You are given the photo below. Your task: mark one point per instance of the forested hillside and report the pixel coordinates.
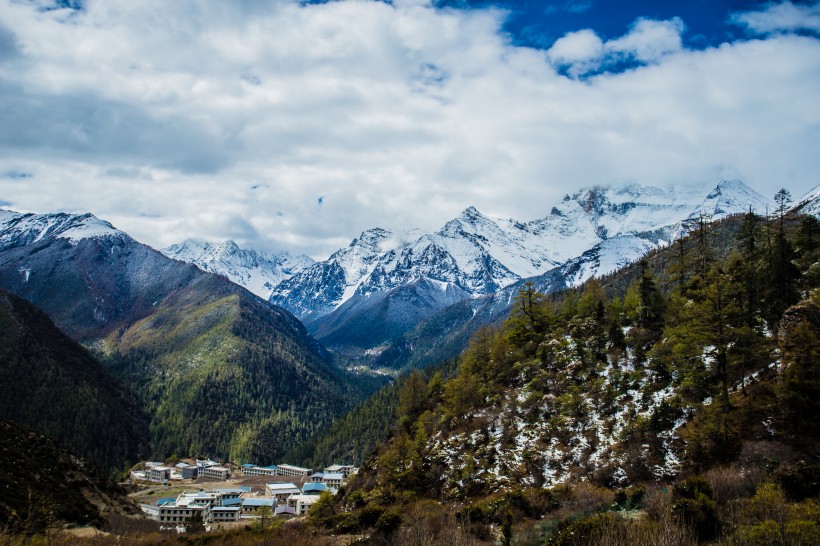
(677, 397)
(53, 385)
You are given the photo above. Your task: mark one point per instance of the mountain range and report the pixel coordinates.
(372, 298)
(371, 301)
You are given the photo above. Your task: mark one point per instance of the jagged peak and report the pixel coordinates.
(74, 227)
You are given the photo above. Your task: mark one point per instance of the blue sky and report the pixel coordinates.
(540, 24)
(285, 124)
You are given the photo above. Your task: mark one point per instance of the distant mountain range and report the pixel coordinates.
(375, 295)
(364, 299)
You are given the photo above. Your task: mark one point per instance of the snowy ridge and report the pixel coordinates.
(810, 203)
(592, 232)
(257, 271)
(18, 229)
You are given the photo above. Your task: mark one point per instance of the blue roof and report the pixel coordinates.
(272, 467)
(310, 487)
(248, 465)
(166, 500)
(231, 502)
(257, 502)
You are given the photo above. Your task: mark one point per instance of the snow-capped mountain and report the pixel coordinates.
(810, 203)
(479, 254)
(257, 271)
(18, 229)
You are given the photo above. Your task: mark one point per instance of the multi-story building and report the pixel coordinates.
(295, 471)
(260, 470)
(344, 469)
(215, 472)
(281, 491)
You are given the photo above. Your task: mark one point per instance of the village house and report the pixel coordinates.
(187, 471)
(314, 488)
(281, 491)
(331, 479)
(252, 505)
(260, 470)
(215, 472)
(294, 471)
(344, 469)
(302, 503)
(223, 514)
(159, 474)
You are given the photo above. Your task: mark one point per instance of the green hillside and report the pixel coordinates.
(675, 397)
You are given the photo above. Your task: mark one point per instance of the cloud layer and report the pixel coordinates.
(284, 125)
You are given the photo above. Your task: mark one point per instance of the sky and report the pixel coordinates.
(294, 125)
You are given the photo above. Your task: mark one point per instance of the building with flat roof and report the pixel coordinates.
(221, 514)
(290, 470)
(344, 469)
(302, 503)
(159, 473)
(215, 472)
(330, 478)
(260, 470)
(281, 490)
(254, 504)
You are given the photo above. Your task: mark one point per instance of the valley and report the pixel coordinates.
(574, 397)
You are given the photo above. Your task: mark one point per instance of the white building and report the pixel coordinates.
(176, 513)
(331, 479)
(344, 469)
(159, 474)
(215, 472)
(290, 470)
(221, 514)
(260, 470)
(281, 491)
(302, 503)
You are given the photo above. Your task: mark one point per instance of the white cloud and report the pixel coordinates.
(583, 49)
(785, 17)
(648, 41)
(230, 119)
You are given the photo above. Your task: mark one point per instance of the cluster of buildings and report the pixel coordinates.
(234, 504)
(159, 472)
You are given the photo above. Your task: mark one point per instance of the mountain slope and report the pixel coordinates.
(53, 385)
(44, 484)
(618, 397)
(259, 272)
(217, 369)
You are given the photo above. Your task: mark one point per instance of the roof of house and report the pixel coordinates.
(225, 509)
(166, 500)
(333, 476)
(231, 502)
(282, 486)
(248, 465)
(293, 467)
(311, 487)
(284, 509)
(257, 502)
(239, 489)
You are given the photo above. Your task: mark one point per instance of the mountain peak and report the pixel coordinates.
(25, 228)
(259, 272)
